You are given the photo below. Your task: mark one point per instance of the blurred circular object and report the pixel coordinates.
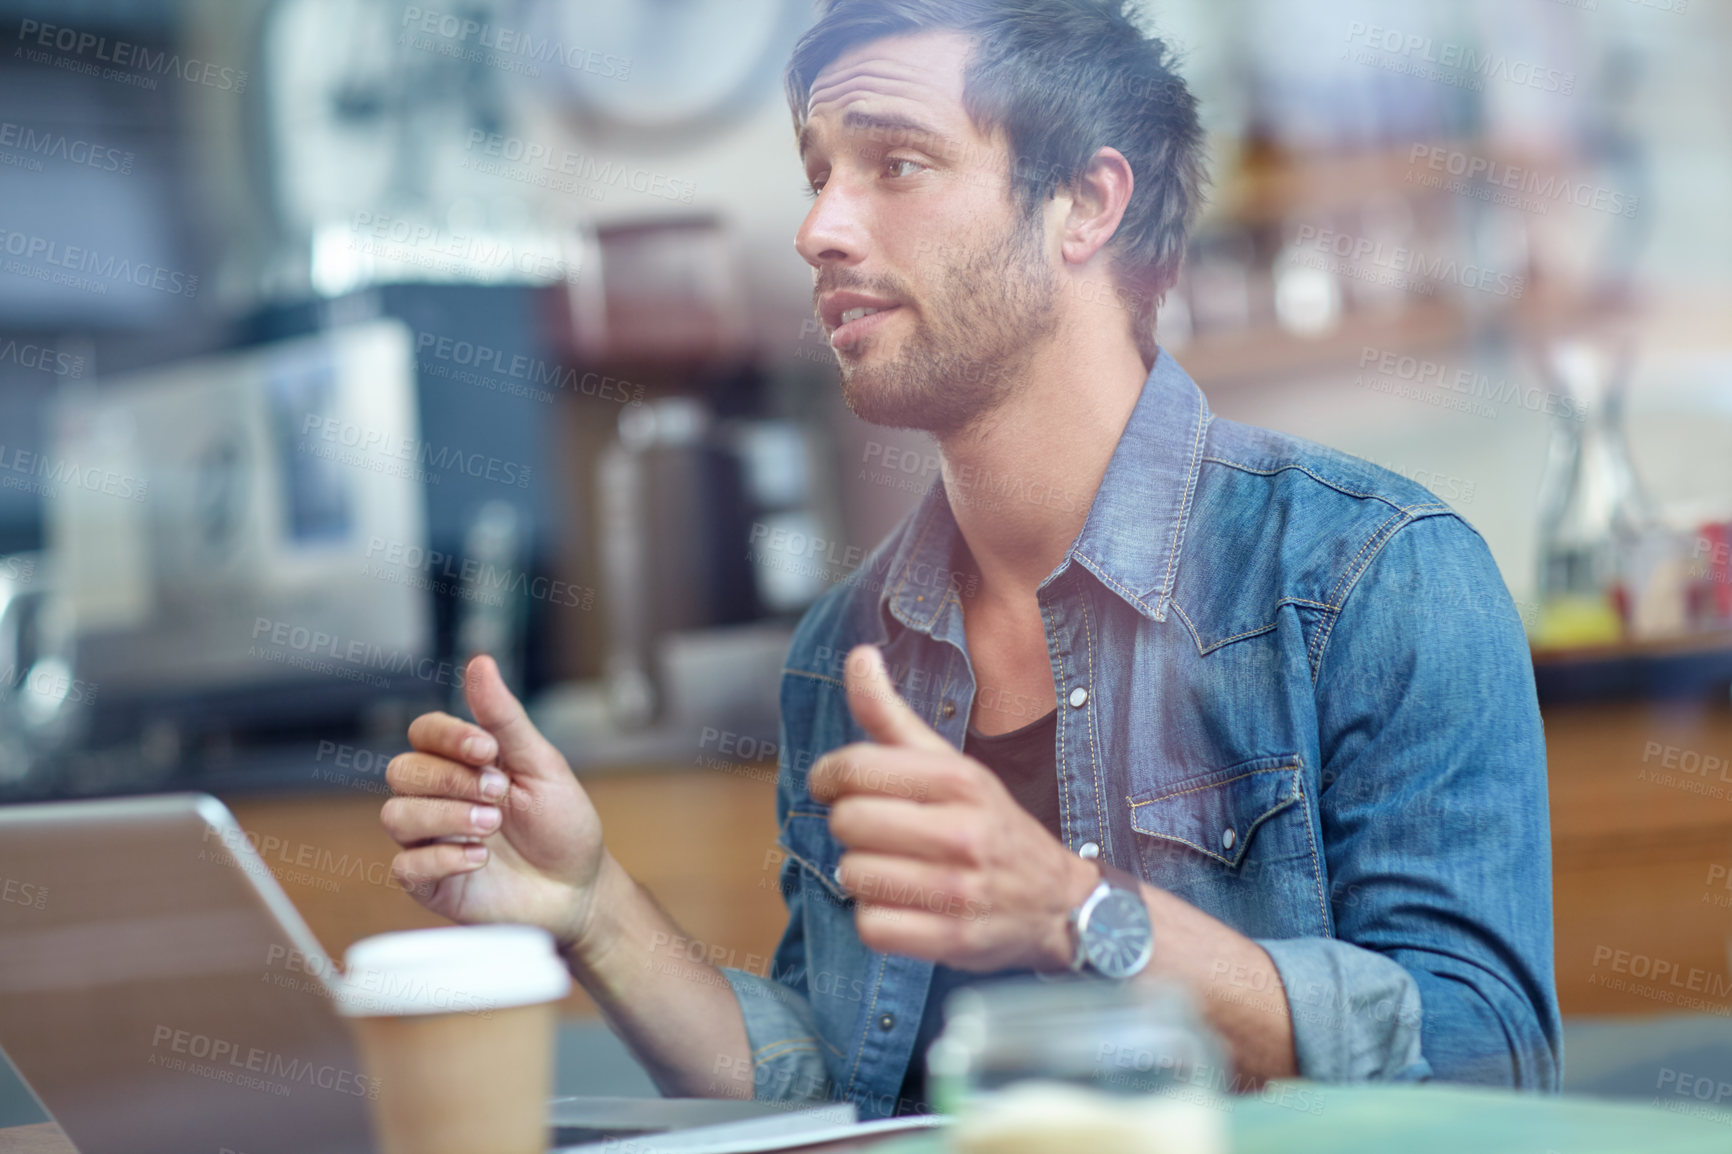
(661, 72)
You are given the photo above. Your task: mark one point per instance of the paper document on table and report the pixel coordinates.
(793, 1130)
(636, 1115)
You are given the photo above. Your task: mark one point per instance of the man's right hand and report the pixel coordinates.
(493, 824)
(533, 855)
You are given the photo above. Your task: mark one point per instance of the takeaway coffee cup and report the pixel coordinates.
(456, 1029)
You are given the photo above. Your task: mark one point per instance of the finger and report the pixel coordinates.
(918, 934)
(888, 880)
(422, 775)
(866, 768)
(936, 833)
(420, 870)
(523, 752)
(893, 771)
(879, 709)
(453, 737)
(412, 821)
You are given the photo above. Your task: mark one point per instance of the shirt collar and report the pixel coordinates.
(1135, 530)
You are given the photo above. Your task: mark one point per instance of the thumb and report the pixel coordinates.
(523, 752)
(879, 709)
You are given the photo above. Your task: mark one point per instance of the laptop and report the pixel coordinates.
(160, 994)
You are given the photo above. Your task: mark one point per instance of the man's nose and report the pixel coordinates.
(833, 232)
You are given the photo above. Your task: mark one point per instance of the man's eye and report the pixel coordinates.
(812, 188)
(901, 166)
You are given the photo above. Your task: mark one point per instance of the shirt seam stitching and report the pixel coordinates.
(1352, 566)
(1244, 844)
(946, 694)
(1428, 506)
(908, 564)
(1349, 577)
(1089, 728)
(1204, 650)
(1316, 869)
(1184, 505)
(1196, 638)
(866, 1027)
(835, 890)
(1295, 764)
(1093, 566)
(1063, 761)
(1328, 628)
(789, 1051)
(949, 592)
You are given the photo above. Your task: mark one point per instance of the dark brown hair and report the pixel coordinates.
(1063, 79)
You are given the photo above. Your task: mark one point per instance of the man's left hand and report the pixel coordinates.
(942, 862)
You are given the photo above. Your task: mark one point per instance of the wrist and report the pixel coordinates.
(594, 924)
(1112, 927)
(1078, 880)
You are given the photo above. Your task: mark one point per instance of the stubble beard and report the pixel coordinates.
(970, 349)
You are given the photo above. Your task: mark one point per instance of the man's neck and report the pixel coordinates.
(1020, 481)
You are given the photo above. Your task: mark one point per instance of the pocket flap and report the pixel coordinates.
(1216, 813)
(806, 838)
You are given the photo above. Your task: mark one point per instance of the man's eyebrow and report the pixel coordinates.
(855, 120)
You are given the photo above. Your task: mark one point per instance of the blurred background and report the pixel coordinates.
(343, 339)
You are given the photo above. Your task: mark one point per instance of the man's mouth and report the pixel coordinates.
(856, 323)
(848, 315)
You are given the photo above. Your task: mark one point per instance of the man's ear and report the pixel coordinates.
(1097, 203)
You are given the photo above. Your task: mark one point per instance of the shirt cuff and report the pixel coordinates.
(787, 1060)
(1356, 1014)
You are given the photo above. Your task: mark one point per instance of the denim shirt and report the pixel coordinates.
(1292, 690)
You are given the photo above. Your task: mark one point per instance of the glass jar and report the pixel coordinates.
(1024, 1059)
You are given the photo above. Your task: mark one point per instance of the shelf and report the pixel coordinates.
(1260, 353)
(1699, 666)
(1321, 184)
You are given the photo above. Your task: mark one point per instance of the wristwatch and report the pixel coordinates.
(1110, 930)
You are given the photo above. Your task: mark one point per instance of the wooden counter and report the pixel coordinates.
(1641, 836)
(700, 840)
(1642, 853)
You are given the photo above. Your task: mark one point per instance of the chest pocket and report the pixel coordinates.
(805, 837)
(1226, 814)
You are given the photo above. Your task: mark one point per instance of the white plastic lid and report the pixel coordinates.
(454, 970)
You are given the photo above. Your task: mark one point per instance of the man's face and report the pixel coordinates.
(914, 219)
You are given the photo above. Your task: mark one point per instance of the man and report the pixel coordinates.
(1130, 672)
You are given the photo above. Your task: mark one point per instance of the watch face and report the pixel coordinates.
(1117, 938)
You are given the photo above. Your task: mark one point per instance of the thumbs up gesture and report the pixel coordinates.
(493, 824)
(942, 862)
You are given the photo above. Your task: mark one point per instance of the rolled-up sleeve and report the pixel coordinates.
(1436, 837)
(787, 1057)
(787, 1062)
(1356, 1014)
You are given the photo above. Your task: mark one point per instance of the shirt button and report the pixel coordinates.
(950, 709)
(1089, 850)
(1228, 838)
(1079, 697)
(887, 1021)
